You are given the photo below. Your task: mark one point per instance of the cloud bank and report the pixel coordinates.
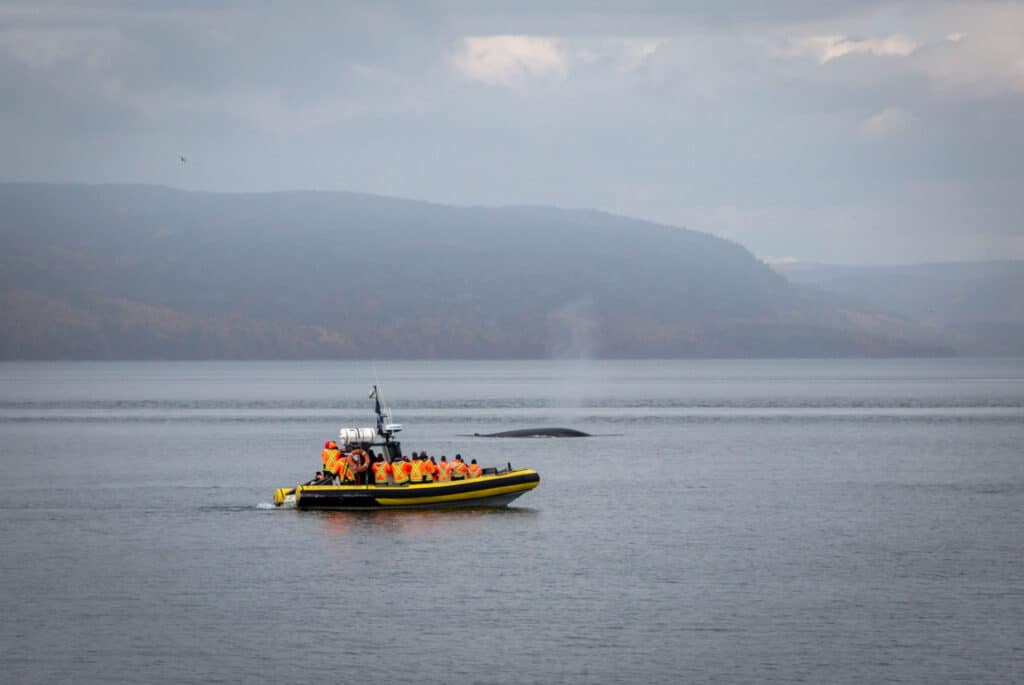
(825, 130)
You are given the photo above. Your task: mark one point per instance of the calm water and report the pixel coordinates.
(819, 521)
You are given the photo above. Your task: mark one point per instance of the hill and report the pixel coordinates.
(130, 272)
(978, 307)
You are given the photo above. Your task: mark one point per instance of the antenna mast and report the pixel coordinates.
(386, 427)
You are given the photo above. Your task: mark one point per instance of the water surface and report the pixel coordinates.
(771, 521)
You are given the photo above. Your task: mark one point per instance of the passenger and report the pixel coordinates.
(329, 454)
(332, 461)
(347, 469)
(381, 470)
(416, 474)
(458, 468)
(361, 464)
(444, 470)
(474, 469)
(400, 472)
(429, 468)
(356, 464)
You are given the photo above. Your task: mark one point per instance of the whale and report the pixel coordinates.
(536, 433)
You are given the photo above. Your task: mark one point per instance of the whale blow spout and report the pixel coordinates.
(536, 433)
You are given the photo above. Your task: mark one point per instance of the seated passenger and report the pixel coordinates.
(400, 472)
(458, 468)
(343, 471)
(474, 469)
(444, 470)
(429, 468)
(381, 471)
(416, 469)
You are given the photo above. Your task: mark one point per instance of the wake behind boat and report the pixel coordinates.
(359, 477)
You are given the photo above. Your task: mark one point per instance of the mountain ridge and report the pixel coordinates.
(133, 271)
(978, 305)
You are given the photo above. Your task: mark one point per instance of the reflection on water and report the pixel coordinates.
(412, 522)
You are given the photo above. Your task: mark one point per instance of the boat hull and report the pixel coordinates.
(487, 491)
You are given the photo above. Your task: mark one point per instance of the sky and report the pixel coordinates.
(806, 130)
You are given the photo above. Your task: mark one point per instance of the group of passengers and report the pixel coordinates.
(363, 467)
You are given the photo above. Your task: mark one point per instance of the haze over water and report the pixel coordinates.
(730, 521)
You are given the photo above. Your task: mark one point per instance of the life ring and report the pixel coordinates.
(364, 459)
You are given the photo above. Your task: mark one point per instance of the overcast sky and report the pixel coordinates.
(815, 130)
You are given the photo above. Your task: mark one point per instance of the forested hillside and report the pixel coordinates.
(977, 306)
(132, 272)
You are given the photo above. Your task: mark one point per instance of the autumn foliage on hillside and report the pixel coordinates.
(136, 272)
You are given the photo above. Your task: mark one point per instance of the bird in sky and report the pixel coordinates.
(182, 158)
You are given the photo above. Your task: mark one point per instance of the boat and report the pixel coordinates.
(495, 487)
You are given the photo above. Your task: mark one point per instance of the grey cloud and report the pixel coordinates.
(581, 17)
(717, 126)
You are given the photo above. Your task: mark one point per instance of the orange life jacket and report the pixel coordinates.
(444, 471)
(399, 473)
(428, 471)
(328, 456)
(380, 472)
(347, 469)
(416, 471)
(475, 471)
(458, 470)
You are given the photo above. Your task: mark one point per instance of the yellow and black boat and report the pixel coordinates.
(496, 489)
(493, 488)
